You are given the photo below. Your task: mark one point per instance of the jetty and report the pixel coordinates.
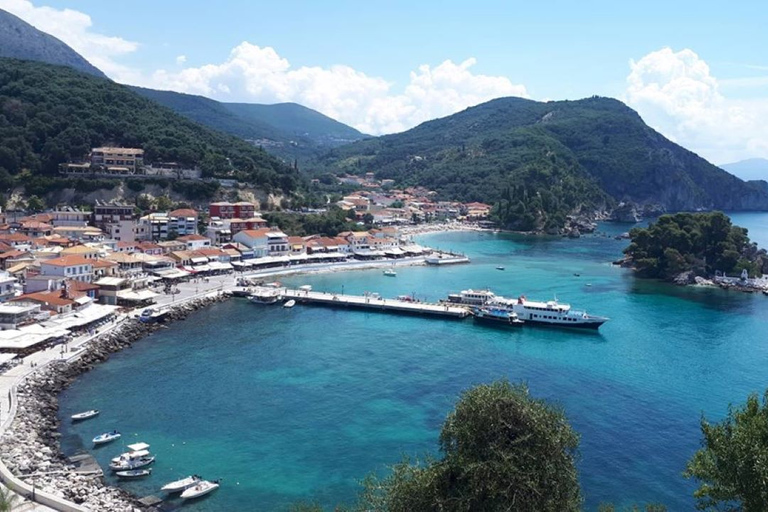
(375, 302)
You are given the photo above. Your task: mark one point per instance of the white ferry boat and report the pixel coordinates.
(552, 313)
(531, 312)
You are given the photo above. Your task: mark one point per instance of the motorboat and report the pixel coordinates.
(106, 437)
(134, 473)
(132, 463)
(289, 304)
(499, 268)
(200, 489)
(181, 485)
(137, 457)
(390, 272)
(85, 415)
(499, 316)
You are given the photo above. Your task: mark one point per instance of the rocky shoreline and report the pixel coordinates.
(30, 446)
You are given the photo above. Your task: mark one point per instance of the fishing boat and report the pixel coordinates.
(106, 437)
(181, 485)
(289, 304)
(390, 272)
(85, 415)
(200, 489)
(134, 473)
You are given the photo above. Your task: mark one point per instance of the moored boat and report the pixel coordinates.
(134, 473)
(553, 313)
(181, 485)
(265, 295)
(200, 489)
(85, 415)
(137, 457)
(498, 316)
(390, 272)
(289, 304)
(106, 437)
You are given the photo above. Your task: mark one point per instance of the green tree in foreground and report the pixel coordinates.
(8, 499)
(732, 465)
(502, 451)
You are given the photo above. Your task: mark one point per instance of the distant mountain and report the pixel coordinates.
(20, 40)
(53, 114)
(540, 161)
(299, 121)
(751, 169)
(285, 129)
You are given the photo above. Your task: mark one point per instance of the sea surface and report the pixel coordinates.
(289, 405)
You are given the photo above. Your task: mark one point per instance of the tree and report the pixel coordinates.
(8, 499)
(163, 203)
(502, 450)
(35, 204)
(732, 464)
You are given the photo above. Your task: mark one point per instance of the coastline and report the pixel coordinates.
(30, 444)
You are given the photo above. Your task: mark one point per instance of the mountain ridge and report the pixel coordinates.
(748, 170)
(20, 40)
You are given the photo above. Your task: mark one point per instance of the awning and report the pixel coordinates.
(171, 273)
(4, 358)
(218, 265)
(136, 295)
(199, 259)
(189, 269)
(83, 300)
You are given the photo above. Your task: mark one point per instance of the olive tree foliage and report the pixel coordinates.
(502, 451)
(732, 465)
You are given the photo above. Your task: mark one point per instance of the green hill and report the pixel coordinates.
(298, 121)
(287, 130)
(52, 114)
(540, 161)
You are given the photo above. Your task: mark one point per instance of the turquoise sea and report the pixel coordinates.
(300, 404)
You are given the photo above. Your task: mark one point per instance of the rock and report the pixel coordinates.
(685, 278)
(625, 212)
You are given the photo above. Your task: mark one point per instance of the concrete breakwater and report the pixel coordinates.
(30, 446)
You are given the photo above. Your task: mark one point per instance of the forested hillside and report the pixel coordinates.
(52, 114)
(540, 160)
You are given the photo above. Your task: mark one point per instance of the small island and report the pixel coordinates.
(697, 248)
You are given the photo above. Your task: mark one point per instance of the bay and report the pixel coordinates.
(300, 404)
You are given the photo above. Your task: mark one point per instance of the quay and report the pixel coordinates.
(374, 302)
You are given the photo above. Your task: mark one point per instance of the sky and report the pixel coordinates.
(695, 71)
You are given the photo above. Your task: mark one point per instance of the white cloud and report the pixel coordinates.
(181, 60)
(676, 93)
(370, 104)
(75, 29)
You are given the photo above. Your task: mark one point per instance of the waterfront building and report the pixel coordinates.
(72, 267)
(16, 314)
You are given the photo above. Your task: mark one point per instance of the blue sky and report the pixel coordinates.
(697, 71)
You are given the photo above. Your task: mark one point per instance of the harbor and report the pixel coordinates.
(375, 302)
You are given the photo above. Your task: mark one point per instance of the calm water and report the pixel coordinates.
(290, 405)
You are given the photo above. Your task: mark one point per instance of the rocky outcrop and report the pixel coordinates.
(31, 445)
(625, 212)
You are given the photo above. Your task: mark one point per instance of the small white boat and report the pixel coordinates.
(200, 489)
(138, 457)
(499, 268)
(289, 304)
(390, 273)
(85, 415)
(181, 485)
(134, 473)
(106, 437)
(306, 288)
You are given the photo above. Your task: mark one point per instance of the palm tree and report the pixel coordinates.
(7, 499)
